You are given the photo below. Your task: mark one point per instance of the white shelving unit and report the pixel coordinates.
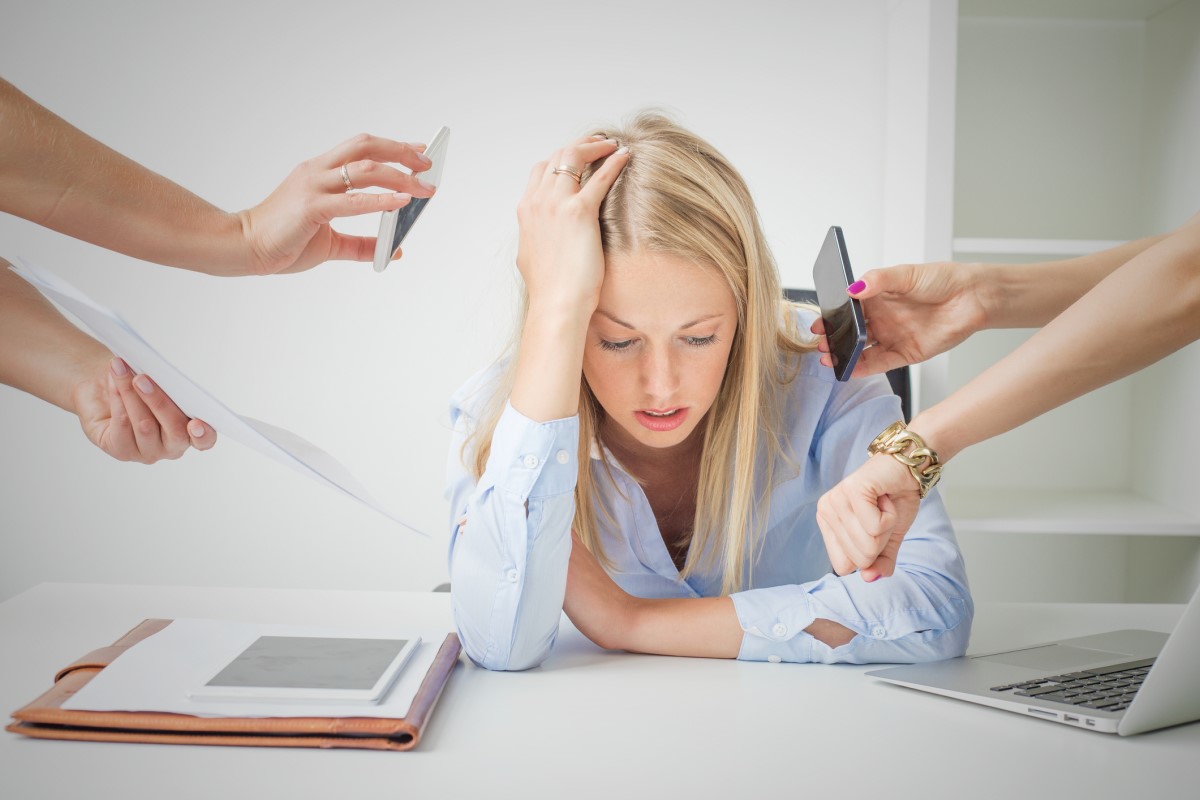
(1051, 511)
(1067, 114)
(1058, 248)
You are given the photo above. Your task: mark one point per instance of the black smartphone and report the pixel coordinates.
(845, 326)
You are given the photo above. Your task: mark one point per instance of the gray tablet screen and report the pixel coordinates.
(303, 662)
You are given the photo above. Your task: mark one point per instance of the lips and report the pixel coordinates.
(661, 419)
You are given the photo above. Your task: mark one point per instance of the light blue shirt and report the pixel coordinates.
(508, 562)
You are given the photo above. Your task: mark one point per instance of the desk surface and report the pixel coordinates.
(595, 724)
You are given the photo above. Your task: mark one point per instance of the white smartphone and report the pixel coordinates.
(395, 225)
(304, 669)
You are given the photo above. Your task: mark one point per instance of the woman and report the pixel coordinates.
(662, 406)
(1089, 337)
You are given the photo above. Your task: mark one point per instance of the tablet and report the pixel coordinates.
(310, 669)
(394, 225)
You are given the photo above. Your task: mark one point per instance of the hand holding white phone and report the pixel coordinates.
(394, 225)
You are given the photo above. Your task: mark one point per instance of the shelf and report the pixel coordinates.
(1035, 247)
(1055, 511)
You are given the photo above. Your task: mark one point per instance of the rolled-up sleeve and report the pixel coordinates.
(922, 613)
(510, 537)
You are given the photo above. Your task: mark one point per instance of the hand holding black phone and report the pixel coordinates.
(845, 326)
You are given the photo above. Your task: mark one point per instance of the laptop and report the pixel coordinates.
(1123, 682)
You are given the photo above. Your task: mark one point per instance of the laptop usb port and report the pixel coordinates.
(1069, 718)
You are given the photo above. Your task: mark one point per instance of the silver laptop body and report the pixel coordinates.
(1102, 683)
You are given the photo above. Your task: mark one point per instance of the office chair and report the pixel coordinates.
(898, 377)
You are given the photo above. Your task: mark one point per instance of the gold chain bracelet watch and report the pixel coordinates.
(909, 449)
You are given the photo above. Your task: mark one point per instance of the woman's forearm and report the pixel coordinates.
(1141, 312)
(1030, 295)
(40, 351)
(55, 175)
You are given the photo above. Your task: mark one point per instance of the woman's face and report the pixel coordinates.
(657, 346)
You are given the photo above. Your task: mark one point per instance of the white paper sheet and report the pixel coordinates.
(120, 337)
(156, 673)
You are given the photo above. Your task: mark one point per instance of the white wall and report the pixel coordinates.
(225, 97)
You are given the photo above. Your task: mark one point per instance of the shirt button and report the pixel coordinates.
(530, 461)
(513, 575)
(780, 629)
(562, 456)
(878, 632)
(774, 659)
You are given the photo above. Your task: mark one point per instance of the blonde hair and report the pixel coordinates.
(679, 196)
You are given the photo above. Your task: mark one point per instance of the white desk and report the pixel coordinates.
(594, 724)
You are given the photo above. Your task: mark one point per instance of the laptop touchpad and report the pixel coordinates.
(1055, 657)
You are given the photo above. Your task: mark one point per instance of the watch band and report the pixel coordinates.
(910, 450)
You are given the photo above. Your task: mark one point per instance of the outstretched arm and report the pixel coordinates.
(126, 415)
(55, 175)
(1141, 312)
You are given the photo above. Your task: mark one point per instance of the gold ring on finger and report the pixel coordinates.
(567, 169)
(345, 173)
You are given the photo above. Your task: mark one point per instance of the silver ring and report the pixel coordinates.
(567, 169)
(345, 173)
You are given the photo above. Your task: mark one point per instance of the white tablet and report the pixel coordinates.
(395, 225)
(311, 669)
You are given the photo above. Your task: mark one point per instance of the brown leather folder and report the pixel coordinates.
(45, 718)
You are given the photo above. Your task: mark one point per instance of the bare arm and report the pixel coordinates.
(1030, 295)
(1139, 313)
(40, 351)
(124, 414)
(55, 175)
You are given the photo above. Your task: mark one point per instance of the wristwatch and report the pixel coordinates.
(909, 449)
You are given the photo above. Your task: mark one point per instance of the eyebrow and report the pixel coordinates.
(625, 324)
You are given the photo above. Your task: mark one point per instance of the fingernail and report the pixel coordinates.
(856, 287)
(423, 157)
(622, 150)
(600, 136)
(144, 384)
(119, 369)
(428, 186)
(196, 429)
(403, 197)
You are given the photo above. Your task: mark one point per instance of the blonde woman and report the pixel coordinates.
(650, 458)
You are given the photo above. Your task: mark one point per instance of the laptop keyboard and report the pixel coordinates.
(1108, 688)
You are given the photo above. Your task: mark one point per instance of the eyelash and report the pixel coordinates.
(691, 341)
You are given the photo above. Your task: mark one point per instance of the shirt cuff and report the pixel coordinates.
(533, 459)
(774, 620)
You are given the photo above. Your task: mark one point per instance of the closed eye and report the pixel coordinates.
(700, 341)
(607, 345)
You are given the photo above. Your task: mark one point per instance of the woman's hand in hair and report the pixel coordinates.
(559, 255)
(864, 518)
(915, 312)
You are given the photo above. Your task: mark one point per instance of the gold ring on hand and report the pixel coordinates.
(567, 169)
(345, 173)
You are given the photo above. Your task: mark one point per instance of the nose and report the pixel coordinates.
(660, 376)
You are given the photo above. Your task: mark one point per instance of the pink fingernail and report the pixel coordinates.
(403, 197)
(856, 287)
(119, 369)
(144, 384)
(196, 429)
